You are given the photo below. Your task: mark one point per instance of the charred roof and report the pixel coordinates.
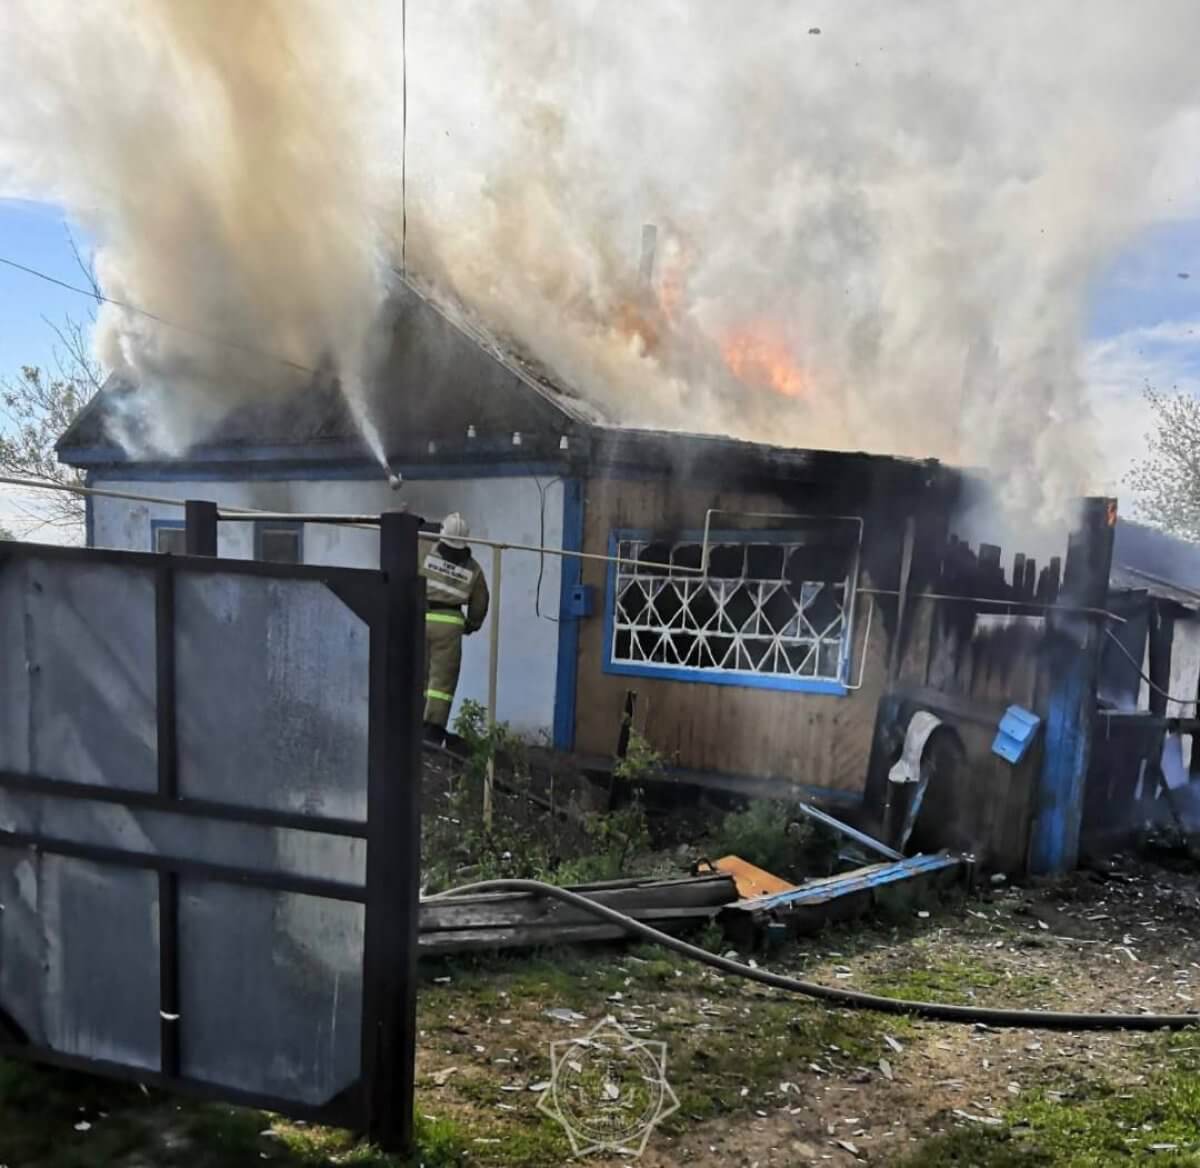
(451, 391)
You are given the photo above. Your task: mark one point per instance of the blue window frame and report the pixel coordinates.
(168, 536)
(279, 542)
(773, 610)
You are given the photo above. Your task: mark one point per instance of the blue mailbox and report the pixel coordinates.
(1016, 733)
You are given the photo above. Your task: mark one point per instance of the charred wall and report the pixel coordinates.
(818, 740)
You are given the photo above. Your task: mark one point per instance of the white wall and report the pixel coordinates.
(496, 508)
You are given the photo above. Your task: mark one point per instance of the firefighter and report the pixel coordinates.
(452, 579)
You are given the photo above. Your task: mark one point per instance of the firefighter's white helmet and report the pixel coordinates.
(455, 531)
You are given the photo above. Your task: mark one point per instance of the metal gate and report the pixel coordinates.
(209, 824)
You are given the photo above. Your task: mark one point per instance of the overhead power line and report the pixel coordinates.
(124, 305)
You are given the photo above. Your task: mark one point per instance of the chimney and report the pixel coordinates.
(649, 244)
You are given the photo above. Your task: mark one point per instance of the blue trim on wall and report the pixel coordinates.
(695, 676)
(571, 574)
(89, 515)
(484, 450)
(167, 524)
(1054, 840)
(258, 472)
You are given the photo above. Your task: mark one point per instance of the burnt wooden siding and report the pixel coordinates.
(818, 740)
(968, 661)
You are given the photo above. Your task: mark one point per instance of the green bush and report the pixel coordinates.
(774, 836)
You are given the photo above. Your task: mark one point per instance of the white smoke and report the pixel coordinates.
(879, 221)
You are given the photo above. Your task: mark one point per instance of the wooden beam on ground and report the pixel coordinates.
(502, 920)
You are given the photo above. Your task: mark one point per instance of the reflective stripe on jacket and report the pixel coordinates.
(449, 586)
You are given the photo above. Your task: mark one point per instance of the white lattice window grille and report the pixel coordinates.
(773, 609)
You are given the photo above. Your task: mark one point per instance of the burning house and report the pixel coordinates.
(773, 617)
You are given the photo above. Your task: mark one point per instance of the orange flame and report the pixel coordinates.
(638, 320)
(757, 355)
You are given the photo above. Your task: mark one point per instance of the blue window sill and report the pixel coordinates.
(741, 680)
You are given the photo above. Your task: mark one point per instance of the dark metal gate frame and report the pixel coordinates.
(391, 603)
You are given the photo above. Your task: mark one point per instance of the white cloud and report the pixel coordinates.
(24, 514)
(1117, 369)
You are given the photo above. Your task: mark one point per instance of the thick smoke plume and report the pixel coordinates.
(223, 157)
(878, 222)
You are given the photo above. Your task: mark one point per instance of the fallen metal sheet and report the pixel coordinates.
(859, 837)
(847, 884)
(920, 727)
(908, 770)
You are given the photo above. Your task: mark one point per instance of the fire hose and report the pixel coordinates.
(851, 999)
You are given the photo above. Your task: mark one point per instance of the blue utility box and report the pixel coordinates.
(1016, 733)
(581, 601)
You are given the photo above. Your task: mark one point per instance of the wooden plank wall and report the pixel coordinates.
(966, 663)
(815, 740)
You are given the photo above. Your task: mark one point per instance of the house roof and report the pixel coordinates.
(444, 372)
(1146, 559)
(447, 375)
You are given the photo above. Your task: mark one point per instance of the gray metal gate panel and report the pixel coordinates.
(195, 757)
(271, 676)
(78, 672)
(290, 1008)
(66, 996)
(256, 847)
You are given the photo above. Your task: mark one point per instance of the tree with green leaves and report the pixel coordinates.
(1166, 482)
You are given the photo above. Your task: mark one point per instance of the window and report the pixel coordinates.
(278, 543)
(772, 610)
(168, 536)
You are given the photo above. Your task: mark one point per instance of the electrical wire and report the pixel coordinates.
(851, 999)
(1137, 666)
(93, 294)
(537, 593)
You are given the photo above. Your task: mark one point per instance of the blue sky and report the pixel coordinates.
(33, 234)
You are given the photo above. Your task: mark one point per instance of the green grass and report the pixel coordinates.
(976, 1148)
(763, 1043)
(1093, 1124)
(40, 1110)
(957, 981)
(729, 1048)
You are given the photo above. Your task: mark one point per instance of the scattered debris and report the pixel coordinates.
(750, 880)
(560, 1014)
(837, 898)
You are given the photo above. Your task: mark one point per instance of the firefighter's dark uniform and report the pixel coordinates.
(452, 579)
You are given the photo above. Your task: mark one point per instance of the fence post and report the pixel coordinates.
(200, 527)
(1072, 664)
(391, 922)
(489, 781)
